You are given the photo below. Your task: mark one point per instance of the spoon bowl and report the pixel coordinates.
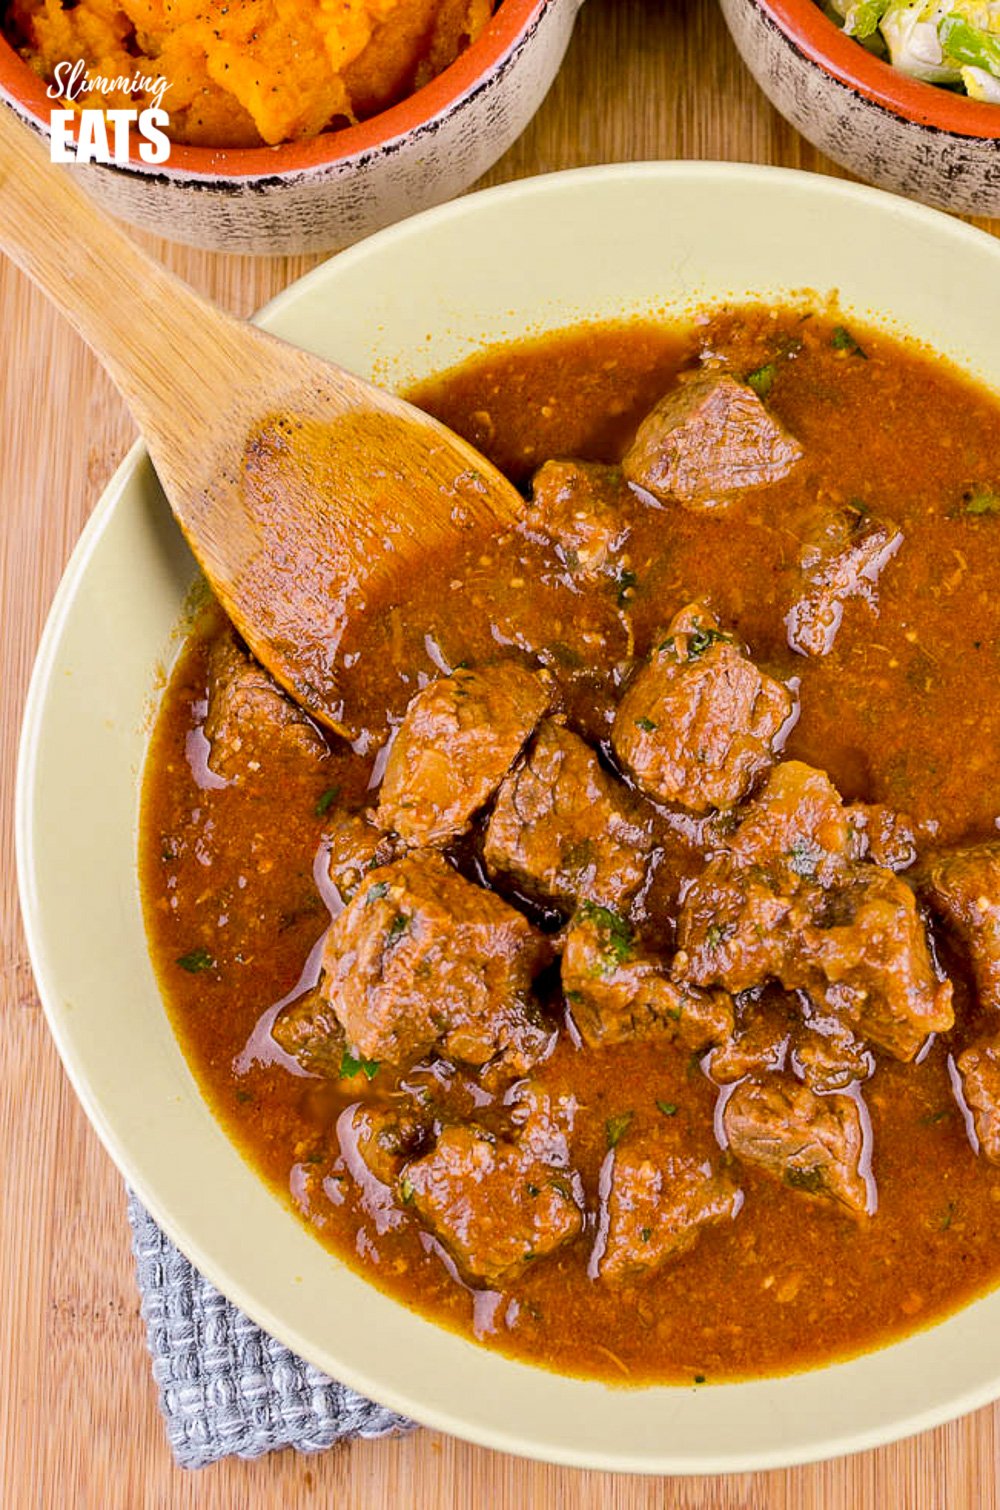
(306, 494)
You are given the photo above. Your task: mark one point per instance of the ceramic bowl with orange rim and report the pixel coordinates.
(328, 191)
(917, 139)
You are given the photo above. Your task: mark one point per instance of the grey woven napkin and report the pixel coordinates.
(227, 1388)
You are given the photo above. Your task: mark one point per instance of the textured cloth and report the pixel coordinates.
(227, 1388)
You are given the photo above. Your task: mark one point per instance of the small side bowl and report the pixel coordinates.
(329, 191)
(893, 131)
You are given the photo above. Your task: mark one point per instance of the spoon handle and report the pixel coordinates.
(135, 315)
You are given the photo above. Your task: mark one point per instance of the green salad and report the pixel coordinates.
(951, 42)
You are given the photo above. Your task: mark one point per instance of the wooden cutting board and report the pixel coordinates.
(644, 79)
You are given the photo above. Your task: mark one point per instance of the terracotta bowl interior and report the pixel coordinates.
(820, 40)
(472, 68)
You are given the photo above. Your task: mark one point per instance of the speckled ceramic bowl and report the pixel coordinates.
(330, 191)
(918, 139)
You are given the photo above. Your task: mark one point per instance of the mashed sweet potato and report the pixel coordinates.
(243, 72)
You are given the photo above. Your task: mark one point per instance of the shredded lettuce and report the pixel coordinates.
(969, 44)
(980, 85)
(862, 19)
(911, 35)
(952, 42)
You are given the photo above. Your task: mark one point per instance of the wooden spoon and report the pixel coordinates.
(307, 495)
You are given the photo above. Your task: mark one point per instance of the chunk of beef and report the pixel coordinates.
(618, 993)
(963, 887)
(737, 927)
(356, 847)
(659, 1200)
(578, 506)
(761, 1041)
(828, 1057)
(842, 558)
(387, 1136)
(796, 828)
(699, 723)
(813, 1144)
(785, 900)
(883, 835)
(423, 960)
(706, 442)
(542, 1120)
(979, 1067)
(309, 1031)
(740, 919)
(458, 740)
(562, 829)
(249, 718)
(494, 1205)
(781, 1029)
(867, 956)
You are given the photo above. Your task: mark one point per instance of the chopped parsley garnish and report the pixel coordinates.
(805, 1179)
(376, 893)
(646, 1233)
(355, 1064)
(948, 1217)
(699, 1378)
(405, 1190)
(701, 639)
(616, 933)
(616, 1127)
(324, 803)
(532, 1190)
(397, 927)
(646, 725)
(761, 379)
(982, 501)
(930, 1118)
(668, 1108)
(715, 933)
(199, 959)
(842, 340)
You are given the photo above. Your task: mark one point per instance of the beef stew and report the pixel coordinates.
(622, 993)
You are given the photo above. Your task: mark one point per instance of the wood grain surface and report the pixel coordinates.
(80, 1426)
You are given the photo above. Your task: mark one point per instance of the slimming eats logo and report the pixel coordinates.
(103, 135)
